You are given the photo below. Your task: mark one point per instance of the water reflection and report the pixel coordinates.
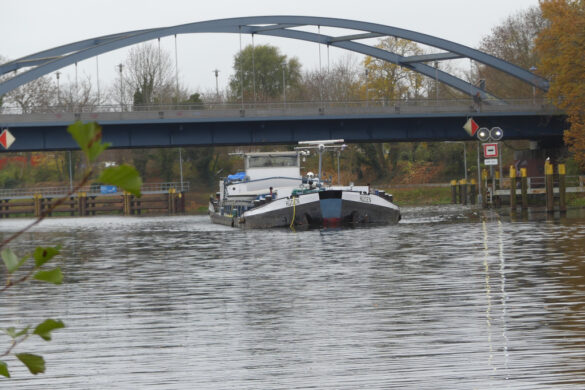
(449, 298)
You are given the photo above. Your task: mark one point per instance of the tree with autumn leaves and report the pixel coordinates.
(561, 46)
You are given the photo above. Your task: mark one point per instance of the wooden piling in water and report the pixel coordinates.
(171, 201)
(549, 183)
(524, 187)
(463, 191)
(126, 206)
(562, 188)
(82, 204)
(512, 187)
(473, 191)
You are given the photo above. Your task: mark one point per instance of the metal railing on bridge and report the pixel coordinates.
(91, 190)
(70, 113)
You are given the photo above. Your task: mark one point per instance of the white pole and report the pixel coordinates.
(465, 160)
(177, 72)
(478, 170)
(97, 71)
(283, 85)
(253, 68)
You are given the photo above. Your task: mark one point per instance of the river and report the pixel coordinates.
(450, 298)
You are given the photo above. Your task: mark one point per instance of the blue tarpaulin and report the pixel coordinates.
(237, 176)
(108, 189)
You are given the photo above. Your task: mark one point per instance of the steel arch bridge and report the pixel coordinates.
(50, 60)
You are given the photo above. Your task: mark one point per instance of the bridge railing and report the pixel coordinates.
(91, 190)
(274, 109)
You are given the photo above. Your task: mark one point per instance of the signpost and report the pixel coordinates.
(490, 150)
(6, 138)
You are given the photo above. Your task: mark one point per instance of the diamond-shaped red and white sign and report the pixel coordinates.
(6, 138)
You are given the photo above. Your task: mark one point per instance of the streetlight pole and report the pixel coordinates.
(58, 75)
(367, 90)
(121, 66)
(216, 71)
(283, 84)
(532, 70)
(437, 81)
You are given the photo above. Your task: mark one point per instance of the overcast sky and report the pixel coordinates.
(29, 26)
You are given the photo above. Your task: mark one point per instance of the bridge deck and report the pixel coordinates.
(280, 123)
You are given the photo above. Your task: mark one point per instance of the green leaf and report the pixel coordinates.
(11, 331)
(89, 138)
(11, 261)
(4, 369)
(34, 363)
(45, 328)
(123, 176)
(53, 276)
(42, 255)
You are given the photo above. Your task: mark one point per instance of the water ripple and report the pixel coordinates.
(449, 298)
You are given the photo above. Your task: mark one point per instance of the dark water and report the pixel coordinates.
(448, 299)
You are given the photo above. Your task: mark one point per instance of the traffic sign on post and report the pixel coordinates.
(6, 138)
(490, 150)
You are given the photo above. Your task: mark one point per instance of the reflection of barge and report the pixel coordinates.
(272, 193)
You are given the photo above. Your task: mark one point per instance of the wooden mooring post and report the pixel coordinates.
(524, 187)
(463, 191)
(562, 188)
(172, 205)
(512, 188)
(549, 186)
(454, 191)
(484, 191)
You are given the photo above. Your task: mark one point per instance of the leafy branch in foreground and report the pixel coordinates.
(89, 138)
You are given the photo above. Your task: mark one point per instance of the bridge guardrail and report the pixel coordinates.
(234, 110)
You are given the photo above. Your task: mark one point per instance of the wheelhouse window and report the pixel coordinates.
(272, 161)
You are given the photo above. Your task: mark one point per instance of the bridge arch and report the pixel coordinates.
(50, 60)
